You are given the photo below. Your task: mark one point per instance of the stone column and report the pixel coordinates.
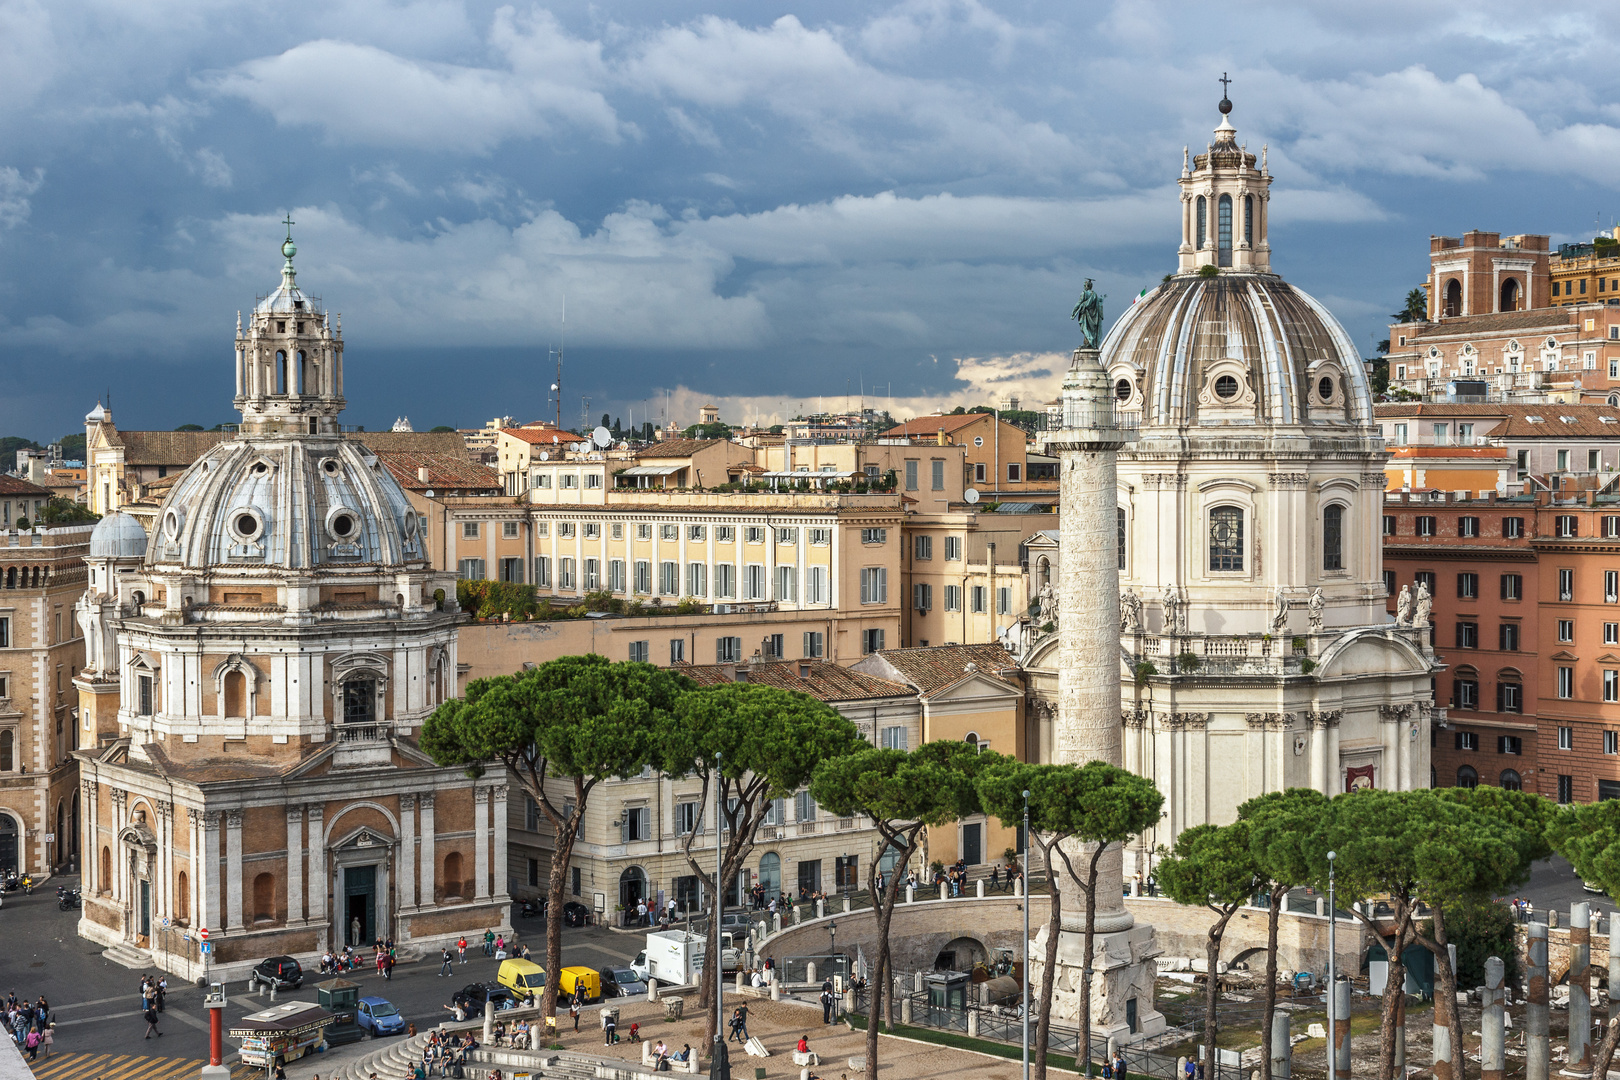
(90, 845)
(315, 815)
(501, 872)
(1341, 1027)
(481, 843)
(1579, 1061)
(427, 860)
(1537, 1050)
(120, 859)
(1319, 739)
(208, 909)
(295, 864)
(407, 852)
(1335, 783)
(1282, 1046)
(1491, 1030)
(233, 869)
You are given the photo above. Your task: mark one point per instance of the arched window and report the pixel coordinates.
(1224, 223)
(8, 748)
(104, 882)
(452, 876)
(1510, 295)
(1511, 781)
(1333, 537)
(1203, 222)
(235, 694)
(301, 373)
(264, 898)
(1226, 538)
(1119, 528)
(1453, 305)
(1248, 220)
(770, 872)
(1467, 777)
(182, 897)
(280, 374)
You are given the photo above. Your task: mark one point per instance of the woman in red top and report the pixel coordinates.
(804, 1044)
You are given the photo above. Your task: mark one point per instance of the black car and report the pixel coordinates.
(471, 997)
(575, 914)
(281, 972)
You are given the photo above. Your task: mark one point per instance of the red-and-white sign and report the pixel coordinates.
(203, 933)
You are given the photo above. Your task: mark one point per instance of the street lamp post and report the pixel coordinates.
(1024, 989)
(832, 934)
(720, 1062)
(1332, 973)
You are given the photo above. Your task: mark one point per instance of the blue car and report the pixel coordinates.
(379, 1017)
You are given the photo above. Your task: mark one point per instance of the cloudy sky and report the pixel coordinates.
(765, 206)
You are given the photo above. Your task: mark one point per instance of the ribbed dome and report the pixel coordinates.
(1235, 349)
(117, 536)
(297, 502)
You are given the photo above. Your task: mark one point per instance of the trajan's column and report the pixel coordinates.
(1088, 721)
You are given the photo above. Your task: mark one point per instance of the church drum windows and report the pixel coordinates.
(1333, 537)
(1224, 225)
(1226, 539)
(1203, 220)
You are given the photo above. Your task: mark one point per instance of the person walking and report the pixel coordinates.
(151, 1018)
(489, 943)
(1119, 1065)
(827, 1010)
(573, 1010)
(447, 969)
(46, 1038)
(461, 948)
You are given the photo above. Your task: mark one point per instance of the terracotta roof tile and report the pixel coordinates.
(166, 447)
(1498, 321)
(931, 425)
(677, 448)
(535, 436)
(452, 471)
(935, 666)
(827, 682)
(422, 442)
(16, 485)
(1585, 421)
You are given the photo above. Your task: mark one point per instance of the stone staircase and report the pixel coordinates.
(398, 1057)
(127, 955)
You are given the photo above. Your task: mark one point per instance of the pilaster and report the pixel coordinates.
(233, 870)
(428, 860)
(295, 864)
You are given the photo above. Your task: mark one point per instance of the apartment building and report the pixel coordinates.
(119, 464)
(965, 574)
(930, 473)
(998, 462)
(516, 448)
(42, 573)
(1480, 447)
(20, 500)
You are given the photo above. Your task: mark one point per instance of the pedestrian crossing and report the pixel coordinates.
(76, 1066)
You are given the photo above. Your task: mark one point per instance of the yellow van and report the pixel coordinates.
(523, 977)
(571, 978)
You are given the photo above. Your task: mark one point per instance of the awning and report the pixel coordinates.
(292, 1018)
(652, 470)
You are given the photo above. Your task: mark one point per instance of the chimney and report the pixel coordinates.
(422, 474)
(940, 436)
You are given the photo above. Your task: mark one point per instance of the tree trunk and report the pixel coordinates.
(1212, 987)
(1605, 1050)
(1447, 976)
(1043, 1022)
(556, 880)
(1082, 1057)
(1390, 1012)
(1278, 893)
(871, 1021)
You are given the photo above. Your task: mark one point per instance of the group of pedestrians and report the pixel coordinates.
(30, 1024)
(154, 989)
(446, 1054)
(642, 913)
(1523, 910)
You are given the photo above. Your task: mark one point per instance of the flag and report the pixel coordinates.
(1138, 297)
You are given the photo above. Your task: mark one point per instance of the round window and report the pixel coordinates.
(1226, 388)
(1123, 389)
(1324, 389)
(246, 525)
(330, 466)
(342, 526)
(978, 440)
(410, 525)
(260, 469)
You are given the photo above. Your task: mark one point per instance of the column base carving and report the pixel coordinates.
(1122, 970)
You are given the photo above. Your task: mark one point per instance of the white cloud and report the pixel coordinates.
(15, 191)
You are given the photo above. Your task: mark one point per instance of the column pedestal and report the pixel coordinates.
(1122, 970)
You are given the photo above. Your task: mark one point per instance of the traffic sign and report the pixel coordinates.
(206, 948)
(203, 933)
(165, 923)
(50, 838)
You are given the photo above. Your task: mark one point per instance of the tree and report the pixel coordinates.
(1416, 309)
(604, 419)
(440, 429)
(560, 728)
(189, 427)
(1213, 866)
(904, 793)
(60, 511)
(10, 444)
(765, 743)
(72, 445)
(1280, 821)
(717, 430)
(1588, 835)
(1095, 803)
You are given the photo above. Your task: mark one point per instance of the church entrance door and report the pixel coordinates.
(144, 915)
(360, 904)
(8, 844)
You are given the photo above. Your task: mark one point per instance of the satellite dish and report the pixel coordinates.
(602, 437)
(545, 455)
(970, 496)
(582, 446)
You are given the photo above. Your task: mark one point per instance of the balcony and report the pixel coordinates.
(362, 746)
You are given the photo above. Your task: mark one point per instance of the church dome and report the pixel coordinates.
(117, 536)
(295, 503)
(1235, 349)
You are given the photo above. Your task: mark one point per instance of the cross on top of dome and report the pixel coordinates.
(1226, 103)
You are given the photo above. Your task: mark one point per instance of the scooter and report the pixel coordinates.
(28, 884)
(69, 900)
(530, 909)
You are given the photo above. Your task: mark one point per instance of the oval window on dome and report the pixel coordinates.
(246, 525)
(1324, 388)
(1123, 389)
(342, 525)
(330, 466)
(1226, 388)
(171, 524)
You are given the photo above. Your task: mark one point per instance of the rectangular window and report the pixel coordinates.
(1611, 633)
(1513, 527)
(1512, 587)
(725, 581)
(1566, 630)
(143, 687)
(593, 480)
(470, 569)
(1389, 524)
(725, 534)
(977, 596)
(911, 475)
(804, 807)
(787, 536)
(643, 576)
(1468, 586)
(754, 582)
(1611, 742)
(1566, 738)
(669, 532)
(820, 537)
(593, 530)
(640, 650)
(565, 530)
(754, 534)
(937, 468)
(1566, 682)
(1467, 635)
(1226, 538)
(871, 641)
(1003, 600)
(1593, 461)
(686, 818)
(1611, 586)
(953, 598)
(1509, 697)
(1391, 582)
(1508, 637)
(1563, 461)
(1465, 694)
(697, 579)
(1401, 431)
(727, 650)
(1440, 434)
(815, 585)
(894, 738)
(1611, 526)
(565, 573)
(812, 644)
(874, 536)
(593, 574)
(978, 472)
(669, 578)
(469, 530)
(542, 570)
(953, 549)
(1468, 526)
(1566, 585)
(542, 479)
(1014, 472)
(1467, 740)
(923, 547)
(1426, 579)
(694, 532)
(644, 532)
(1509, 744)
(1611, 684)
(922, 597)
(1566, 789)
(616, 575)
(509, 530)
(1425, 525)
(787, 584)
(874, 586)
(677, 650)
(772, 646)
(637, 824)
(1564, 527)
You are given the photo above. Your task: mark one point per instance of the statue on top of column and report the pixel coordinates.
(1088, 313)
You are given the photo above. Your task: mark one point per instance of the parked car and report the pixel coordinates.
(575, 914)
(281, 972)
(1592, 887)
(470, 998)
(378, 1016)
(524, 978)
(571, 980)
(623, 982)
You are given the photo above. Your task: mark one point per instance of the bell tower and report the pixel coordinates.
(1225, 204)
(289, 360)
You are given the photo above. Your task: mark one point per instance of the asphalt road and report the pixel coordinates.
(97, 1002)
(1553, 884)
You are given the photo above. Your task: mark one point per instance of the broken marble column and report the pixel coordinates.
(1445, 1007)
(1491, 1032)
(1537, 1051)
(1282, 1046)
(1579, 1061)
(1341, 1028)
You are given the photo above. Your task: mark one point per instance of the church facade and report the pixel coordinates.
(1256, 650)
(259, 662)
